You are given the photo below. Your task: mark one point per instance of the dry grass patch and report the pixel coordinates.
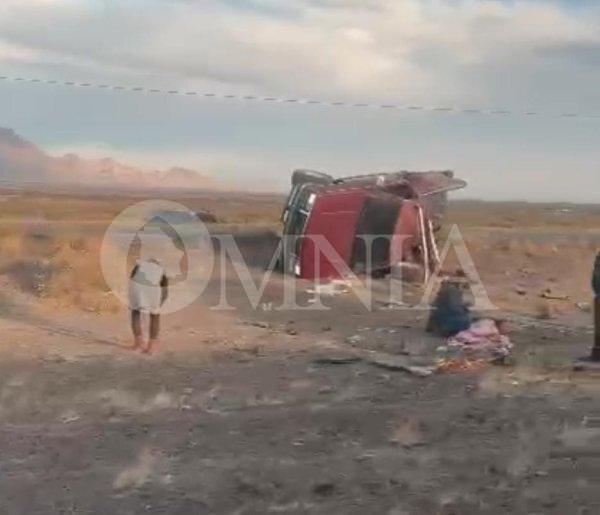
(63, 270)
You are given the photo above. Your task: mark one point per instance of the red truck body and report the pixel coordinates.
(328, 223)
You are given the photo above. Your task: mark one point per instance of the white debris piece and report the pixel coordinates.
(331, 289)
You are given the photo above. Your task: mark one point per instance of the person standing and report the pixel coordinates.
(596, 287)
(157, 270)
(148, 291)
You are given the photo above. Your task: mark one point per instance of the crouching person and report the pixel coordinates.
(450, 312)
(148, 291)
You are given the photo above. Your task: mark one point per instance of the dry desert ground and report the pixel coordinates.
(261, 410)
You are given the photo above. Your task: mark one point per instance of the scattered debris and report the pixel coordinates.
(388, 330)
(586, 307)
(521, 290)
(330, 289)
(70, 417)
(379, 359)
(394, 362)
(353, 340)
(485, 341)
(336, 360)
(261, 325)
(462, 364)
(393, 304)
(550, 295)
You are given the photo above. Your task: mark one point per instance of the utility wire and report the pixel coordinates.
(297, 100)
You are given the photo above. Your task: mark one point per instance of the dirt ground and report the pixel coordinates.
(268, 411)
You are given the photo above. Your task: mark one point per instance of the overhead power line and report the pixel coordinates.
(298, 100)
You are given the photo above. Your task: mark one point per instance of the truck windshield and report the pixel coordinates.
(298, 210)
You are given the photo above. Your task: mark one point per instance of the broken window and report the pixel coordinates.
(378, 218)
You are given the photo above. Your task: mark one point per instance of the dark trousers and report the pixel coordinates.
(136, 324)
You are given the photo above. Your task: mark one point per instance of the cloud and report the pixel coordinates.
(522, 55)
(434, 51)
(17, 53)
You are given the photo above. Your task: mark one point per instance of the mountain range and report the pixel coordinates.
(23, 162)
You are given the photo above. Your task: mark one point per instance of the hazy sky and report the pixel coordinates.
(519, 55)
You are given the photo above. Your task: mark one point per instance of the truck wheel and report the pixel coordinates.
(310, 176)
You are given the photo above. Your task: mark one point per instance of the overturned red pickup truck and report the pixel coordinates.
(367, 224)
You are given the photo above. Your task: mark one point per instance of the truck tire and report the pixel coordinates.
(310, 176)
